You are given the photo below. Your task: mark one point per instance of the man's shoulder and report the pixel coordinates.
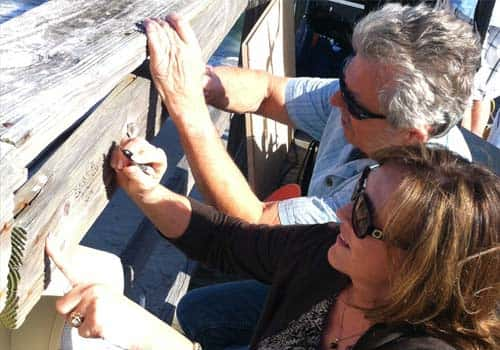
(318, 87)
(454, 140)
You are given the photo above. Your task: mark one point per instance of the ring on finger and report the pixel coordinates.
(76, 319)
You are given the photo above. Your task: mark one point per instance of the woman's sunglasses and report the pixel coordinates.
(355, 108)
(362, 209)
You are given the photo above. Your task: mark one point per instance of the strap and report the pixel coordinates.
(482, 16)
(305, 173)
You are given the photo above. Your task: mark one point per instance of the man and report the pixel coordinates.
(409, 82)
(485, 15)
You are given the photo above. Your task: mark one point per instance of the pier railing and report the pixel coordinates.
(70, 88)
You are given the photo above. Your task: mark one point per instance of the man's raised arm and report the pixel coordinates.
(241, 90)
(179, 75)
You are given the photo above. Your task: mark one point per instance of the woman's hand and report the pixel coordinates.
(102, 311)
(104, 314)
(176, 64)
(98, 311)
(130, 175)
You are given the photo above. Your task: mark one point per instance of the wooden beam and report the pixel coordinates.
(12, 176)
(267, 47)
(68, 56)
(63, 56)
(71, 188)
(5, 254)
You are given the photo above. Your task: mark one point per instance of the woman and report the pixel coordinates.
(414, 263)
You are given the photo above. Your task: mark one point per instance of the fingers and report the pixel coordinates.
(182, 27)
(71, 300)
(141, 170)
(157, 42)
(134, 175)
(82, 301)
(173, 26)
(145, 153)
(207, 77)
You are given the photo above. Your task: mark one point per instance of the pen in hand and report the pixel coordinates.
(146, 169)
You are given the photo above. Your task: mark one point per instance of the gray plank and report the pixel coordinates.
(77, 184)
(70, 54)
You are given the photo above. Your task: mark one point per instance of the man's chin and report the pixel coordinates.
(348, 136)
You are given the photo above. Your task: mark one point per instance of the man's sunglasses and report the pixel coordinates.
(356, 109)
(362, 209)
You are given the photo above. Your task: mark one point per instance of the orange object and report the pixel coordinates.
(285, 192)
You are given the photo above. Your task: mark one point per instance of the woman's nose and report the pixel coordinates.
(344, 213)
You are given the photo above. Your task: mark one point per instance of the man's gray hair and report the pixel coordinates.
(433, 56)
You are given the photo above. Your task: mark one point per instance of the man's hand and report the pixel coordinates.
(176, 65)
(213, 89)
(129, 174)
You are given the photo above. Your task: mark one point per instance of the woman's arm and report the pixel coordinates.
(205, 234)
(181, 78)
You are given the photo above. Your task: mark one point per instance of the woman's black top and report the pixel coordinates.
(293, 259)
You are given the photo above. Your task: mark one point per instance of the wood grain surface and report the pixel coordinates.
(57, 61)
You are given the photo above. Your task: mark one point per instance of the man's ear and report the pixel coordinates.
(416, 135)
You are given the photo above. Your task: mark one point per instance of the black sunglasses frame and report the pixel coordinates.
(361, 200)
(355, 108)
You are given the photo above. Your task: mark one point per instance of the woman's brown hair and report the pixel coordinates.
(446, 216)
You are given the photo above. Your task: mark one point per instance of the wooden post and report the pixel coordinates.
(69, 55)
(270, 47)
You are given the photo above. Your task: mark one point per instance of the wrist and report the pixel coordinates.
(186, 104)
(148, 196)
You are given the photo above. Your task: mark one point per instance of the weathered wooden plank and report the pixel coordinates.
(27, 193)
(6, 209)
(60, 58)
(68, 56)
(78, 184)
(5, 253)
(12, 175)
(12, 178)
(266, 48)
